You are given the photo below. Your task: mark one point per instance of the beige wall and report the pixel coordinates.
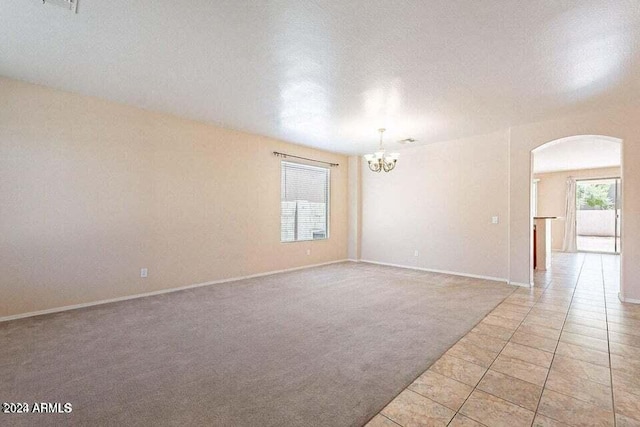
(92, 191)
(439, 201)
(552, 194)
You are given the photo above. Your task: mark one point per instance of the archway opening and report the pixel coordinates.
(575, 207)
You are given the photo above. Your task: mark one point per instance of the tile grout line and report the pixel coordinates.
(407, 387)
(604, 296)
(383, 415)
(474, 387)
(498, 355)
(573, 397)
(544, 386)
(606, 321)
(429, 398)
(547, 291)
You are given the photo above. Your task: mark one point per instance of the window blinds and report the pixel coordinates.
(304, 202)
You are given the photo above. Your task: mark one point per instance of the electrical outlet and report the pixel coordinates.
(495, 220)
(415, 253)
(144, 272)
(308, 251)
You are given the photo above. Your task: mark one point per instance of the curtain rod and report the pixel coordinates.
(285, 155)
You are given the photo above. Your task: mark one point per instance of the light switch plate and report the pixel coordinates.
(494, 220)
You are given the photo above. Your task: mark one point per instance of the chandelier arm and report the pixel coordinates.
(380, 161)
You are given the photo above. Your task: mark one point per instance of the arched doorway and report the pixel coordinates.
(576, 202)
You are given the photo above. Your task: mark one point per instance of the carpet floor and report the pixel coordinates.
(326, 346)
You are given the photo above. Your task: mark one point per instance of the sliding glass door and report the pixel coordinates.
(598, 215)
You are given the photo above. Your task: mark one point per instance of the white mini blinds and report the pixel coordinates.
(304, 202)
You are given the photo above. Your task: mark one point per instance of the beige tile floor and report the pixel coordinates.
(566, 352)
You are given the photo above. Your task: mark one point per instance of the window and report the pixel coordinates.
(304, 202)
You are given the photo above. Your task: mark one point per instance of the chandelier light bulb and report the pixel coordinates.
(380, 161)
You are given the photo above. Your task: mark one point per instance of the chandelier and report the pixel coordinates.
(381, 161)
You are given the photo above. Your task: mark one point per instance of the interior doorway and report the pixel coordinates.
(576, 200)
(598, 203)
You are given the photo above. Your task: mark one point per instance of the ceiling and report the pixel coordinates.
(328, 74)
(577, 152)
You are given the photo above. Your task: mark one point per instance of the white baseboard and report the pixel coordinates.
(162, 291)
(524, 285)
(431, 270)
(353, 260)
(628, 300)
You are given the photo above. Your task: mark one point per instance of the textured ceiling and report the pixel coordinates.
(329, 73)
(577, 152)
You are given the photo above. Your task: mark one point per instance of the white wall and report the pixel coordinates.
(441, 196)
(355, 209)
(596, 223)
(439, 200)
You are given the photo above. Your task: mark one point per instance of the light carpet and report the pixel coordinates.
(325, 346)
